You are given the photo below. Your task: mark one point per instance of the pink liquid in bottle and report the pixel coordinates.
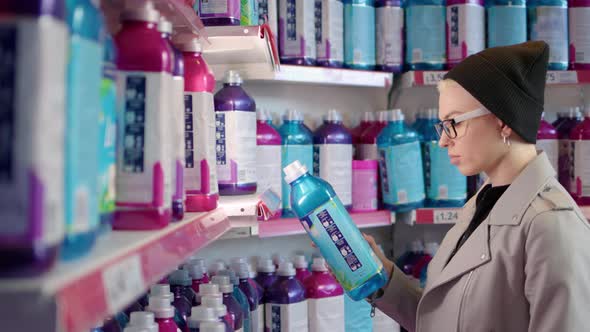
(580, 158)
(547, 141)
(301, 268)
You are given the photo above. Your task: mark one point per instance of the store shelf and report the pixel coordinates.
(420, 78)
(292, 226)
(122, 266)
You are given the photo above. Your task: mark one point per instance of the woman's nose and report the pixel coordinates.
(444, 140)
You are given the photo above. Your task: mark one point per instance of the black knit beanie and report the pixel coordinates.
(510, 82)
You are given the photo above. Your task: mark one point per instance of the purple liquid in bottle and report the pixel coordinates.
(266, 276)
(181, 283)
(287, 292)
(249, 288)
(32, 208)
(325, 299)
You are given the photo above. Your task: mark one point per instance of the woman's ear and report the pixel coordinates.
(505, 131)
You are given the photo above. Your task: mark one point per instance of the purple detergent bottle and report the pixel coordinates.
(265, 279)
(249, 287)
(233, 307)
(32, 156)
(325, 299)
(301, 271)
(144, 168)
(235, 122)
(564, 125)
(547, 140)
(181, 285)
(286, 306)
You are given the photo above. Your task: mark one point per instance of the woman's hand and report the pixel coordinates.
(387, 264)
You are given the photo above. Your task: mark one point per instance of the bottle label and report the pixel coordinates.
(347, 253)
(425, 41)
(178, 122)
(268, 168)
(443, 180)
(402, 179)
(236, 147)
(549, 23)
(368, 151)
(506, 25)
(286, 317)
(551, 148)
(297, 28)
(290, 153)
(359, 35)
(333, 163)
(32, 121)
(200, 174)
(144, 144)
(364, 189)
(257, 321)
(107, 123)
(581, 173)
(329, 30)
(465, 31)
(579, 25)
(390, 25)
(326, 314)
(220, 8)
(249, 12)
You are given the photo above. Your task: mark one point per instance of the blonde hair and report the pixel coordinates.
(446, 83)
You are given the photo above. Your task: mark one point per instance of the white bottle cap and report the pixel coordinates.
(196, 261)
(186, 42)
(266, 265)
(286, 269)
(293, 115)
(243, 271)
(196, 271)
(333, 116)
(383, 116)
(300, 262)
(180, 278)
(165, 26)
(140, 10)
(233, 277)
(232, 77)
(210, 289)
(224, 283)
(236, 261)
(143, 319)
(216, 303)
(216, 267)
(201, 314)
(212, 327)
(294, 171)
(432, 113)
(431, 248)
(163, 291)
(396, 115)
(262, 114)
(319, 264)
(161, 307)
(368, 117)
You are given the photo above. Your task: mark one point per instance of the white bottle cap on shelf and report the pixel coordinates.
(187, 43)
(300, 262)
(382, 116)
(232, 77)
(163, 291)
(266, 265)
(293, 115)
(333, 116)
(143, 319)
(165, 26)
(243, 271)
(236, 261)
(216, 267)
(233, 277)
(286, 269)
(216, 303)
(319, 264)
(224, 283)
(431, 248)
(432, 113)
(201, 314)
(262, 114)
(396, 115)
(161, 307)
(277, 259)
(210, 289)
(196, 261)
(196, 271)
(294, 171)
(212, 327)
(140, 10)
(368, 116)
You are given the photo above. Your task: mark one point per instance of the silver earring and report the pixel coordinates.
(506, 140)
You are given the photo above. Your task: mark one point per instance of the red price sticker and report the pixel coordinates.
(123, 282)
(446, 216)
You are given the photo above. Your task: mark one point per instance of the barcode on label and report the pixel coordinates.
(123, 282)
(446, 216)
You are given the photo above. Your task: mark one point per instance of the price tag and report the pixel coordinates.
(123, 282)
(433, 77)
(446, 216)
(562, 77)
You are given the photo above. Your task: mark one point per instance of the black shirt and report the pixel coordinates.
(485, 201)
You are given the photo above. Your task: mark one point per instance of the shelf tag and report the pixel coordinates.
(123, 282)
(446, 216)
(562, 77)
(433, 77)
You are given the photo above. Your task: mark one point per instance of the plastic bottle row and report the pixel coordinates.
(371, 34)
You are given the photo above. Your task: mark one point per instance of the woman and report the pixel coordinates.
(518, 259)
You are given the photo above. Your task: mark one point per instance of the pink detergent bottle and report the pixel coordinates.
(548, 142)
(199, 276)
(580, 158)
(164, 313)
(367, 149)
(144, 146)
(200, 174)
(325, 299)
(564, 125)
(367, 121)
(301, 271)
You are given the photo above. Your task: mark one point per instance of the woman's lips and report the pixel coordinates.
(454, 159)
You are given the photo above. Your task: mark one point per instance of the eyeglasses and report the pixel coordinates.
(448, 126)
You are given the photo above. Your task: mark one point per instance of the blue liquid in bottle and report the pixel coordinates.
(359, 34)
(425, 34)
(506, 21)
(547, 21)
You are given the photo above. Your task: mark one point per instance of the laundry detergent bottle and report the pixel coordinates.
(268, 154)
(164, 313)
(425, 34)
(233, 306)
(286, 307)
(249, 287)
(325, 299)
(301, 268)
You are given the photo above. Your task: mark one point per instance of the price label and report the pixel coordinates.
(433, 77)
(446, 216)
(123, 282)
(562, 77)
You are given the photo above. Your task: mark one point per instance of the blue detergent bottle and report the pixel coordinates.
(297, 145)
(82, 130)
(547, 21)
(506, 22)
(425, 34)
(329, 225)
(359, 34)
(445, 186)
(400, 164)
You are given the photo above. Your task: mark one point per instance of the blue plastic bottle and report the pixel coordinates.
(359, 34)
(389, 23)
(240, 297)
(82, 108)
(506, 21)
(297, 145)
(445, 186)
(400, 164)
(547, 21)
(332, 156)
(326, 221)
(425, 34)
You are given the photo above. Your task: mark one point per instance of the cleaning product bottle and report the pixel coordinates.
(368, 139)
(333, 156)
(297, 145)
(240, 297)
(181, 305)
(32, 155)
(198, 274)
(425, 34)
(506, 21)
(301, 268)
(421, 266)
(268, 155)
(277, 259)
(220, 12)
(164, 313)
(200, 174)
(249, 12)
(580, 159)
(266, 275)
(400, 164)
(367, 120)
(579, 16)
(389, 20)
(407, 261)
(144, 173)
(235, 123)
(359, 34)
(547, 21)
(250, 291)
(233, 307)
(181, 285)
(142, 320)
(216, 267)
(200, 315)
(465, 29)
(297, 42)
(82, 110)
(216, 302)
(286, 307)
(210, 289)
(564, 128)
(445, 186)
(107, 122)
(547, 141)
(325, 299)
(365, 177)
(329, 28)
(176, 109)
(332, 230)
